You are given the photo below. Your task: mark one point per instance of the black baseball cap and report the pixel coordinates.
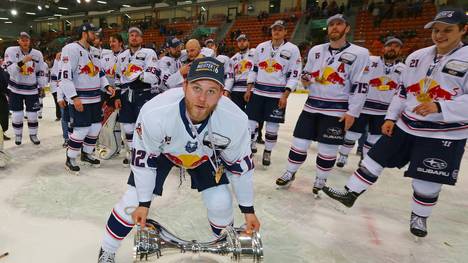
(86, 27)
(173, 42)
(206, 68)
(448, 16)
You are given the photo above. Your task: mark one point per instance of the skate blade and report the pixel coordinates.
(74, 173)
(126, 165)
(90, 165)
(317, 196)
(283, 187)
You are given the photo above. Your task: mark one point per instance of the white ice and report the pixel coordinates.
(47, 215)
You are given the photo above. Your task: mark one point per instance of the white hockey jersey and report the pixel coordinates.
(27, 78)
(275, 70)
(228, 73)
(109, 65)
(170, 75)
(242, 64)
(430, 79)
(141, 65)
(339, 83)
(384, 80)
(81, 74)
(189, 146)
(54, 75)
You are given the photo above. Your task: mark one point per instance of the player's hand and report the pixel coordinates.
(139, 216)
(227, 93)
(387, 128)
(184, 70)
(305, 79)
(111, 91)
(27, 58)
(247, 96)
(251, 223)
(62, 104)
(348, 121)
(426, 108)
(78, 105)
(283, 101)
(117, 104)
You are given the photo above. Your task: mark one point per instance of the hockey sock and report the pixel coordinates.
(297, 154)
(271, 135)
(364, 176)
(371, 140)
(218, 202)
(128, 129)
(76, 141)
(326, 158)
(90, 140)
(349, 142)
(17, 122)
(425, 195)
(33, 124)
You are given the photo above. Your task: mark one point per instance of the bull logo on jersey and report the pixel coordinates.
(243, 66)
(89, 69)
(383, 84)
(190, 147)
(27, 70)
(270, 66)
(110, 72)
(329, 77)
(434, 91)
(187, 161)
(130, 69)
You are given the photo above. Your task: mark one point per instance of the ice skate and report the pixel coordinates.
(285, 181)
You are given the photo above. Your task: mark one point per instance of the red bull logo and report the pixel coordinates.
(434, 92)
(187, 161)
(89, 69)
(383, 84)
(243, 66)
(110, 72)
(132, 68)
(329, 77)
(270, 66)
(27, 70)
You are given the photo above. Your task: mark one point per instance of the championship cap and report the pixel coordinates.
(206, 68)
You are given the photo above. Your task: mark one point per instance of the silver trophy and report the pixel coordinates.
(155, 241)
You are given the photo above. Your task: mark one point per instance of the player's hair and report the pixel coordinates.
(117, 36)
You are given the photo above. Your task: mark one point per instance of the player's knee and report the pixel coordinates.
(218, 199)
(425, 188)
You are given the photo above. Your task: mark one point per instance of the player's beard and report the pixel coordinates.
(196, 114)
(242, 50)
(335, 36)
(391, 55)
(135, 45)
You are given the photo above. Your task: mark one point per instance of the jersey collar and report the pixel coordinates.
(182, 112)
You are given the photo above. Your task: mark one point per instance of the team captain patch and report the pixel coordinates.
(456, 68)
(347, 58)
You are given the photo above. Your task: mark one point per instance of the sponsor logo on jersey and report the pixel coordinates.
(270, 66)
(434, 92)
(89, 69)
(27, 70)
(329, 77)
(187, 161)
(242, 66)
(383, 83)
(131, 68)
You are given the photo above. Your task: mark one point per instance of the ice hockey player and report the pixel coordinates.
(170, 64)
(24, 64)
(207, 135)
(383, 75)
(277, 65)
(137, 71)
(426, 125)
(334, 74)
(228, 78)
(242, 64)
(81, 82)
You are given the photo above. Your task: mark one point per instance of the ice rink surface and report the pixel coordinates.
(47, 215)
